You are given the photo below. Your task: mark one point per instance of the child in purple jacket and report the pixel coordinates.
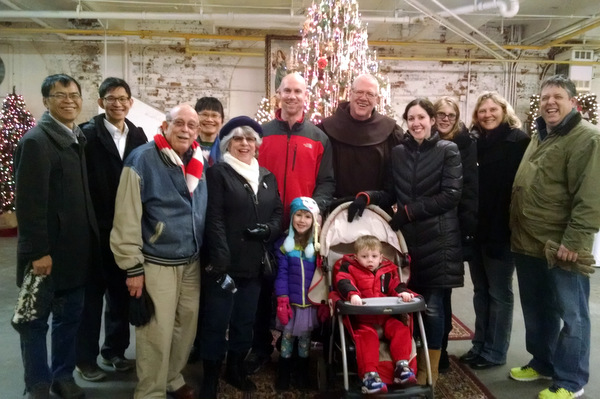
(296, 315)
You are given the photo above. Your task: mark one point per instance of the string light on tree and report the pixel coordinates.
(588, 106)
(265, 111)
(534, 112)
(333, 51)
(15, 121)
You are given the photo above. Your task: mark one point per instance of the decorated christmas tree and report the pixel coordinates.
(333, 51)
(15, 121)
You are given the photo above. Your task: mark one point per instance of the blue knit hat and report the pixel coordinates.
(307, 204)
(240, 121)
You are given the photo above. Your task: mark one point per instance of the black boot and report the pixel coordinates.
(210, 380)
(302, 381)
(444, 362)
(235, 373)
(283, 374)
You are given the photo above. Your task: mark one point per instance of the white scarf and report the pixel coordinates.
(248, 172)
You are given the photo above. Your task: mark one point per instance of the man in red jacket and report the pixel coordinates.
(299, 155)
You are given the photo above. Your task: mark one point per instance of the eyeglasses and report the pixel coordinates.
(211, 115)
(239, 139)
(63, 96)
(360, 93)
(180, 124)
(441, 116)
(112, 100)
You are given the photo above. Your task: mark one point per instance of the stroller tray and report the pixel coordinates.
(383, 305)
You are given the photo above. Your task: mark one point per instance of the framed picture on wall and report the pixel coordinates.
(277, 60)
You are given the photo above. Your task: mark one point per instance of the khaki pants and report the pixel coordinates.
(164, 344)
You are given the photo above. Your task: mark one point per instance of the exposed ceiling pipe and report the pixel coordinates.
(454, 29)
(506, 10)
(159, 16)
(474, 29)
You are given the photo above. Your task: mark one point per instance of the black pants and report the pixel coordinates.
(223, 311)
(107, 281)
(262, 343)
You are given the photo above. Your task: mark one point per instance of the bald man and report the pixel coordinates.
(156, 237)
(299, 155)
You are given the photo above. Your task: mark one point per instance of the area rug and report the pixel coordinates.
(457, 383)
(459, 331)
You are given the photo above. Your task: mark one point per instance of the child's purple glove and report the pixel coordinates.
(284, 311)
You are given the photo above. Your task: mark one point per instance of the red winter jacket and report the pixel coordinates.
(351, 278)
(300, 157)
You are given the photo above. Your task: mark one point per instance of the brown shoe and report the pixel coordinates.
(185, 392)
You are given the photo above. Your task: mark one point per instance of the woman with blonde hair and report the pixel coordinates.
(500, 147)
(450, 127)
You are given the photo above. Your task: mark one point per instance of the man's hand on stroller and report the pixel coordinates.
(357, 207)
(406, 296)
(284, 310)
(356, 300)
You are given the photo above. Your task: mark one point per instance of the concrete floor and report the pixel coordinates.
(120, 385)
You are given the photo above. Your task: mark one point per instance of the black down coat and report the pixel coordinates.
(427, 182)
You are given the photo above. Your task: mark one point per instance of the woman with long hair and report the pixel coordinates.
(500, 146)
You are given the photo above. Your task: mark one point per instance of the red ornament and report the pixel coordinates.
(322, 62)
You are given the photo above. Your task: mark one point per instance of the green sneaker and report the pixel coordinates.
(527, 373)
(555, 392)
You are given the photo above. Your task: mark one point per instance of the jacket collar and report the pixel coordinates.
(57, 132)
(564, 127)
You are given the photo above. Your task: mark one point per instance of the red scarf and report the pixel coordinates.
(192, 171)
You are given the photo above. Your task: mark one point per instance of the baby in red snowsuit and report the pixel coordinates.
(367, 274)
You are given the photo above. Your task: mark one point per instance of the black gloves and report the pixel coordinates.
(259, 232)
(141, 309)
(399, 219)
(357, 207)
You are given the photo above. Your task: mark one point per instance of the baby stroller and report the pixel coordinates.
(337, 239)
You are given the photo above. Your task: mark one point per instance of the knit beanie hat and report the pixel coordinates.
(307, 204)
(240, 121)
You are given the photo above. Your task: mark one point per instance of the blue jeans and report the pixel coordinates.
(493, 301)
(434, 315)
(66, 307)
(547, 297)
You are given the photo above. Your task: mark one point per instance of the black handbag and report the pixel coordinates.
(269, 264)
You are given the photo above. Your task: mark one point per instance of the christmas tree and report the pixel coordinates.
(15, 121)
(333, 51)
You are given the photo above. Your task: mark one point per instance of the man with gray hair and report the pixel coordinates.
(555, 212)
(157, 233)
(361, 139)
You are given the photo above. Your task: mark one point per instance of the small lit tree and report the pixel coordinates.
(15, 120)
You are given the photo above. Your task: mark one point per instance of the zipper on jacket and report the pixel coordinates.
(414, 179)
(303, 289)
(287, 151)
(294, 158)
(251, 192)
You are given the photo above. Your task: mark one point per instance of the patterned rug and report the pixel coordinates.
(459, 331)
(458, 383)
